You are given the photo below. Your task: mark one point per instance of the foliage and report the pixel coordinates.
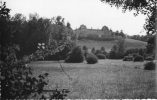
(150, 44)
(93, 50)
(75, 56)
(128, 58)
(138, 58)
(85, 50)
(95, 37)
(104, 34)
(139, 51)
(101, 56)
(139, 37)
(17, 79)
(58, 51)
(103, 50)
(149, 66)
(117, 51)
(98, 52)
(28, 33)
(91, 59)
(56, 94)
(147, 7)
(84, 47)
(149, 58)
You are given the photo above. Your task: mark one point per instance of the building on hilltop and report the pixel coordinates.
(103, 33)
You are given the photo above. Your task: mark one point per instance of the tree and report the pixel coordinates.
(146, 7)
(5, 34)
(17, 81)
(83, 26)
(117, 51)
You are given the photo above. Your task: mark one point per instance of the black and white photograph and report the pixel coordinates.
(78, 49)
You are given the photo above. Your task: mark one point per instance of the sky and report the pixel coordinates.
(92, 13)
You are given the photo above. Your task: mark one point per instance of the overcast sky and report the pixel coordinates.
(91, 13)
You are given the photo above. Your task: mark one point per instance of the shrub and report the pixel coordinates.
(128, 58)
(93, 50)
(149, 66)
(84, 47)
(101, 56)
(17, 79)
(98, 52)
(85, 50)
(61, 51)
(76, 56)
(149, 58)
(138, 58)
(91, 59)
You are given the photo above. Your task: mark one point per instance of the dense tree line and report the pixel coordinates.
(139, 37)
(21, 37)
(28, 33)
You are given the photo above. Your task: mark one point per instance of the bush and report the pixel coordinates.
(91, 59)
(17, 79)
(101, 56)
(98, 52)
(128, 58)
(149, 66)
(85, 50)
(76, 56)
(138, 58)
(93, 50)
(149, 58)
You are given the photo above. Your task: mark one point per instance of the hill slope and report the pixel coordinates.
(129, 43)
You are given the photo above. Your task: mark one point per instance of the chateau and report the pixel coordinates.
(83, 32)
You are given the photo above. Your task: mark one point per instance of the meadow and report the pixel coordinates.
(107, 79)
(129, 44)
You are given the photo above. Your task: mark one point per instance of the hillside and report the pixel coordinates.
(129, 43)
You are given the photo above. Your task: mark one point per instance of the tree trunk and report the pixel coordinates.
(156, 36)
(156, 45)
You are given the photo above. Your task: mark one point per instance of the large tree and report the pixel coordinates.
(146, 7)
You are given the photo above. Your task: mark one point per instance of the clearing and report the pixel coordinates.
(106, 79)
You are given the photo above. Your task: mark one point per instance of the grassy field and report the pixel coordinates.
(106, 79)
(129, 43)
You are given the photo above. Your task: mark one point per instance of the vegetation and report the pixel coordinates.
(29, 33)
(140, 51)
(75, 56)
(85, 50)
(146, 7)
(150, 45)
(140, 37)
(138, 58)
(117, 51)
(101, 56)
(128, 58)
(93, 50)
(18, 81)
(91, 59)
(149, 66)
(104, 34)
(149, 58)
(109, 79)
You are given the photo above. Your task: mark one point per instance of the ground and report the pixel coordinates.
(106, 79)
